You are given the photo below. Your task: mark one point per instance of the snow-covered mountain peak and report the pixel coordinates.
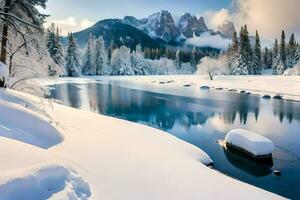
(227, 29)
(189, 25)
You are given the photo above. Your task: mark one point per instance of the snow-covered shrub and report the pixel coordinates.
(212, 66)
(295, 71)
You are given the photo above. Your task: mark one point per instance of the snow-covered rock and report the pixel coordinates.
(250, 142)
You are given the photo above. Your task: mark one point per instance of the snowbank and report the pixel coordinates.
(252, 143)
(20, 123)
(110, 159)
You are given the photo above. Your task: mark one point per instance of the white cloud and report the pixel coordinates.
(206, 39)
(70, 24)
(269, 17)
(215, 18)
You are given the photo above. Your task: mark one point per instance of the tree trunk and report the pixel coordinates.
(4, 34)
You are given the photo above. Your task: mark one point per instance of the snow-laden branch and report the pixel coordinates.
(20, 20)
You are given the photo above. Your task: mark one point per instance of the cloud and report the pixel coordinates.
(70, 24)
(269, 17)
(208, 40)
(215, 18)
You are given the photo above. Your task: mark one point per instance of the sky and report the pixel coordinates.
(269, 17)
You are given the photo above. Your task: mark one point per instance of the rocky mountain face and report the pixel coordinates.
(161, 25)
(227, 29)
(189, 25)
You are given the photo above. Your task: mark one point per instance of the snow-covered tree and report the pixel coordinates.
(54, 45)
(120, 62)
(282, 48)
(257, 57)
(193, 60)
(72, 57)
(88, 64)
(239, 66)
(278, 65)
(178, 59)
(138, 64)
(101, 57)
(18, 18)
(275, 56)
(291, 51)
(297, 54)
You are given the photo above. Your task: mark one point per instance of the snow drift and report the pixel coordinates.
(50, 182)
(22, 124)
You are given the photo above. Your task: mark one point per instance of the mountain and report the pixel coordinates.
(190, 26)
(161, 25)
(156, 31)
(227, 29)
(118, 32)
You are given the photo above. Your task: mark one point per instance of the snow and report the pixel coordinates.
(251, 142)
(104, 158)
(3, 72)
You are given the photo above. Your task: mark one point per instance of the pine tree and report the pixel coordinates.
(282, 48)
(291, 50)
(257, 56)
(101, 57)
(297, 54)
(72, 57)
(193, 61)
(234, 48)
(178, 59)
(278, 65)
(241, 61)
(54, 45)
(88, 65)
(275, 57)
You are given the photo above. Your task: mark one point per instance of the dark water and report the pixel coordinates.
(204, 120)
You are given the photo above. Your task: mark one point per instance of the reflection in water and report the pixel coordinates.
(201, 121)
(246, 163)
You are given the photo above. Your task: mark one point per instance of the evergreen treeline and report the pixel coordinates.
(247, 59)
(96, 59)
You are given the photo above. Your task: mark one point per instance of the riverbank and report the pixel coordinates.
(286, 87)
(99, 157)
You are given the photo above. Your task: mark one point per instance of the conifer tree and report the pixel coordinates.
(297, 54)
(101, 57)
(257, 56)
(54, 45)
(275, 57)
(88, 65)
(178, 59)
(193, 60)
(291, 51)
(72, 57)
(282, 48)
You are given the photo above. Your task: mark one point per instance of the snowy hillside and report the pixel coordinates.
(114, 159)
